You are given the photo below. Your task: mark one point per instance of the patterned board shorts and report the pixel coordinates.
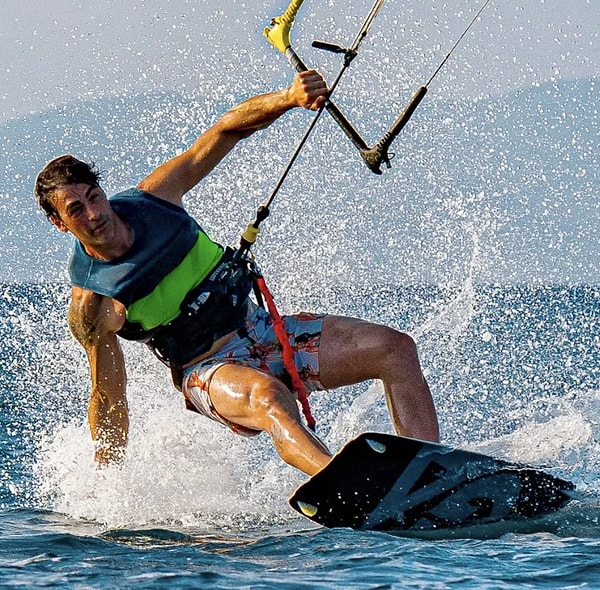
(257, 347)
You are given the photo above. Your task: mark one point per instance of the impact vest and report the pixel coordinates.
(179, 289)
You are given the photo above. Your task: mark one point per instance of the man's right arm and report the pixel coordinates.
(178, 175)
(94, 320)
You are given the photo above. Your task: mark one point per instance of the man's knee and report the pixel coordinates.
(271, 399)
(393, 342)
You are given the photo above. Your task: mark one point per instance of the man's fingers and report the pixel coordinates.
(318, 104)
(313, 89)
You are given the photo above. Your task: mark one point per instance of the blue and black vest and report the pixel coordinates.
(181, 291)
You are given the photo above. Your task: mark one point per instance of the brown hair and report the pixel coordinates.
(59, 172)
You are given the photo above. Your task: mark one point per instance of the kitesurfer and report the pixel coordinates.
(144, 270)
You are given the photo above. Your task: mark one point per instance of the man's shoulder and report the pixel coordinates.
(135, 198)
(91, 312)
(129, 194)
(84, 300)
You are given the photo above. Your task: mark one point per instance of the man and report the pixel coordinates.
(143, 269)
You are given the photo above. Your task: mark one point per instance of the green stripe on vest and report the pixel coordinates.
(162, 305)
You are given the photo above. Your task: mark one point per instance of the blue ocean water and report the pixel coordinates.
(514, 371)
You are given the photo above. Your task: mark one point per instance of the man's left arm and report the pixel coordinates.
(177, 176)
(94, 320)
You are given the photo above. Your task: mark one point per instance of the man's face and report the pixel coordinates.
(84, 211)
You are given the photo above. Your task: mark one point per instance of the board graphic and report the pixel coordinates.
(386, 482)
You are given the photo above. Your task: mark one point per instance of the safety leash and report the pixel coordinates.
(287, 353)
(264, 296)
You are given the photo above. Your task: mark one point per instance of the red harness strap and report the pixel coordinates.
(286, 352)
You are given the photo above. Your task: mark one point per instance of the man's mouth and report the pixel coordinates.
(98, 229)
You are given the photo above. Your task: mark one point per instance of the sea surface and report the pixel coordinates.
(514, 372)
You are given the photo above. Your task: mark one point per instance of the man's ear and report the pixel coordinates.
(58, 222)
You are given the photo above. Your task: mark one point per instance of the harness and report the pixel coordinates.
(217, 306)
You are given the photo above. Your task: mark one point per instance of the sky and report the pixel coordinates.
(54, 52)
(534, 224)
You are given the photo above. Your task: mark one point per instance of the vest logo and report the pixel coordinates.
(199, 301)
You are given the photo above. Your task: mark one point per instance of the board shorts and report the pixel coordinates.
(255, 345)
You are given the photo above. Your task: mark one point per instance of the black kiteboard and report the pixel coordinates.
(385, 482)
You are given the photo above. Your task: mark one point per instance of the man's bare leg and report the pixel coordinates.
(253, 399)
(353, 350)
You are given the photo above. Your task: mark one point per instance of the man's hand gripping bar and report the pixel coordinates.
(278, 35)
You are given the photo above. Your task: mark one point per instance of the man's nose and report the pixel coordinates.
(93, 211)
